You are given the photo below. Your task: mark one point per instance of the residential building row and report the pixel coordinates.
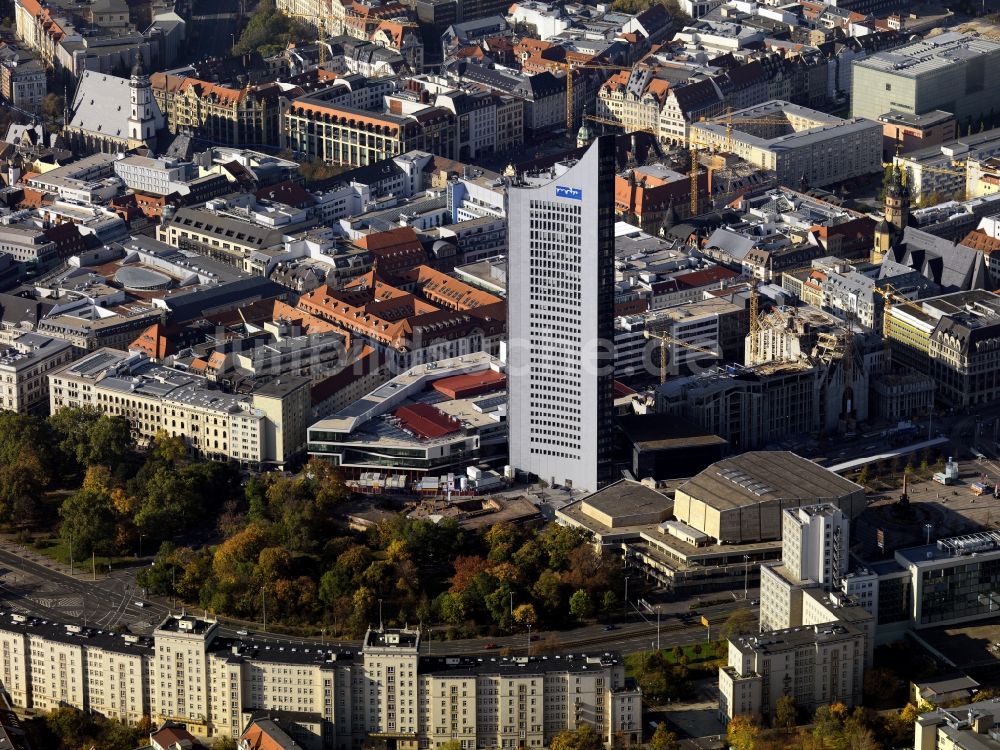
(189, 672)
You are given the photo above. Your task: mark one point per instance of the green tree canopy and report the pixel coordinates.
(581, 605)
(270, 30)
(88, 521)
(663, 738)
(584, 737)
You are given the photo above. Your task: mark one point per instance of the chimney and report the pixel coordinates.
(982, 722)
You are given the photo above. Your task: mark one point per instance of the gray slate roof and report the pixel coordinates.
(101, 105)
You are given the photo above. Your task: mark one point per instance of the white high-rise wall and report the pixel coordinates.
(814, 543)
(560, 320)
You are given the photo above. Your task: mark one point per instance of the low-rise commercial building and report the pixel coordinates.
(633, 518)
(339, 134)
(741, 499)
(436, 418)
(969, 727)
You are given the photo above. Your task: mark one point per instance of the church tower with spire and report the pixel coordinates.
(889, 231)
(141, 120)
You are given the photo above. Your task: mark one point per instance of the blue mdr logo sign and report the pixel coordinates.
(574, 194)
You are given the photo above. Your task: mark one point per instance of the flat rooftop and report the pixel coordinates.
(627, 498)
(402, 387)
(804, 126)
(777, 641)
(983, 544)
(759, 476)
(927, 55)
(926, 120)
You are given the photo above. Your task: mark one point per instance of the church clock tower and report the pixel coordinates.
(889, 231)
(141, 123)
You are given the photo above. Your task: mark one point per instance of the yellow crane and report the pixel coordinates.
(730, 123)
(754, 322)
(667, 340)
(891, 296)
(321, 40)
(616, 124)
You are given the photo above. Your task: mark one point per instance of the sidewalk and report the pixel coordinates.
(8, 544)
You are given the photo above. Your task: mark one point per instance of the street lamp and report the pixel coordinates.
(657, 628)
(529, 639)
(746, 576)
(626, 596)
(141, 537)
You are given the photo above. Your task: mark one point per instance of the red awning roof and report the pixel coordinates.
(424, 421)
(471, 384)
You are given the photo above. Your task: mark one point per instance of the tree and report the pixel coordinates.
(269, 30)
(740, 622)
(663, 738)
(52, 106)
(452, 608)
(88, 521)
(784, 713)
(525, 614)
(583, 737)
(548, 590)
(742, 733)
(581, 605)
(880, 686)
(466, 569)
(225, 743)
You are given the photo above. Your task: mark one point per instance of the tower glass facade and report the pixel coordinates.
(561, 320)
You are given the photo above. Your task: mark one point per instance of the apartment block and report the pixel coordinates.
(265, 427)
(337, 698)
(815, 664)
(24, 368)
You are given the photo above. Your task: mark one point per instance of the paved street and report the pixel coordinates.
(31, 583)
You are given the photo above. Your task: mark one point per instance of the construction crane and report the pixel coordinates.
(616, 124)
(569, 68)
(728, 121)
(889, 297)
(666, 340)
(321, 40)
(754, 323)
(693, 172)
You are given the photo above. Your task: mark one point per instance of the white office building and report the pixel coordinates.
(561, 319)
(814, 547)
(814, 542)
